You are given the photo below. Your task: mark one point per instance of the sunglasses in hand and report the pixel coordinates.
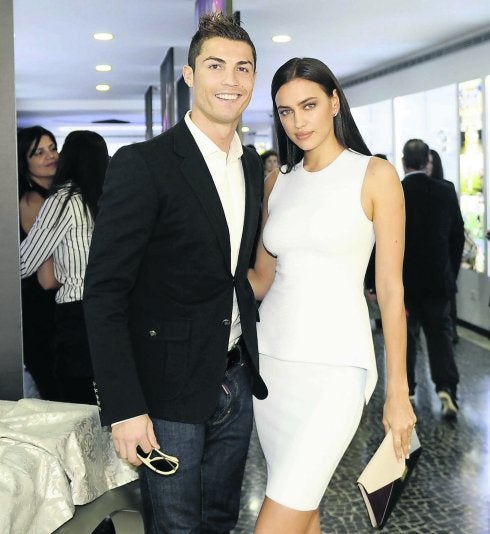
(158, 461)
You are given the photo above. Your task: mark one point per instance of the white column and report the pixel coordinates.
(10, 302)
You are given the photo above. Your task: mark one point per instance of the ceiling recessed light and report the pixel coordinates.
(103, 36)
(103, 68)
(245, 129)
(103, 87)
(281, 38)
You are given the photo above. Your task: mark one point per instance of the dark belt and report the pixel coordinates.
(234, 356)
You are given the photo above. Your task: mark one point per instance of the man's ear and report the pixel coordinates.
(188, 75)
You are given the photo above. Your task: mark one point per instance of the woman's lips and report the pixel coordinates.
(301, 136)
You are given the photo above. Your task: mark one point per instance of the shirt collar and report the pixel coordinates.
(416, 172)
(208, 147)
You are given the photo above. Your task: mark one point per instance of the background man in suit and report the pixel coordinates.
(170, 313)
(434, 238)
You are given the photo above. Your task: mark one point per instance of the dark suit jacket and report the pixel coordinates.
(434, 237)
(159, 288)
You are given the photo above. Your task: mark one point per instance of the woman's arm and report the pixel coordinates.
(383, 198)
(46, 277)
(264, 270)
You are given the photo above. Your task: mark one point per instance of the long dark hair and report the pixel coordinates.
(437, 170)
(345, 128)
(82, 167)
(27, 137)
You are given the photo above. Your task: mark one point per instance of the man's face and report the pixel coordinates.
(222, 81)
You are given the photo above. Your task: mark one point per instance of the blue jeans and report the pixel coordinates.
(203, 496)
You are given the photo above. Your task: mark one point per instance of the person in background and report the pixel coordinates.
(434, 238)
(37, 160)
(321, 214)
(63, 230)
(170, 313)
(436, 171)
(270, 161)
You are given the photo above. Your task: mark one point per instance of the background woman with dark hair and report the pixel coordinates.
(434, 167)
(321, 214)
(63, 230)
(436, 170)
(37, 159)
(269, 160)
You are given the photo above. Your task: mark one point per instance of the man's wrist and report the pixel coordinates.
(124, 420)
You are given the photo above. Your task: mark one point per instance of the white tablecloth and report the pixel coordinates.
(53, 456)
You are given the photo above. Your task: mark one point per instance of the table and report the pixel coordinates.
(53, 456)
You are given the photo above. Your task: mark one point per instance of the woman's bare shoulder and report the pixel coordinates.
(381, 174)
(29, 206)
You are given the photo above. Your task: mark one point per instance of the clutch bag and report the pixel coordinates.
(383, 479)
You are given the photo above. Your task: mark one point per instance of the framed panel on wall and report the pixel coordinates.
(211, 6)
(486, 185)
(152, 109)
(471, 164)
(183, 98)
(167, 87)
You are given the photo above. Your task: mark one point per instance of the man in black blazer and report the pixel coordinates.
(434, 238)
(170, 314)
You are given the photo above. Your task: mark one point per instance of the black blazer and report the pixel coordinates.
(159, 288)
(434, 237)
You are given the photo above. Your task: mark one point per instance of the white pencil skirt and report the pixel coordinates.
(305, 426)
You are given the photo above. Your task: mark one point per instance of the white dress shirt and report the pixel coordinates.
(227, 173)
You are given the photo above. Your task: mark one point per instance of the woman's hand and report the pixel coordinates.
(398, 415)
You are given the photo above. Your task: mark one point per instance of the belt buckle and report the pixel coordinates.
(234, 356)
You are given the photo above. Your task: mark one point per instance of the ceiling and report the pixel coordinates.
(55, 54)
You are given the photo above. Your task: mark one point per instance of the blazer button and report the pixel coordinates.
(152, 333)
(226, 322)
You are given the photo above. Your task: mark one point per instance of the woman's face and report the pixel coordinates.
(306, 113)
(42, 164)
(270, 164)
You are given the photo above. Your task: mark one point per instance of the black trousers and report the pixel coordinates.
(73, 367)
(433, 315)
(38, 336)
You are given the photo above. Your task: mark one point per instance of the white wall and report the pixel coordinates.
(474, 288)
(453, 68)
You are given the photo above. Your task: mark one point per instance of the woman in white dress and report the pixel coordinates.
(322, 213)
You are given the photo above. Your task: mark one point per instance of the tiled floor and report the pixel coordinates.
(449, 492)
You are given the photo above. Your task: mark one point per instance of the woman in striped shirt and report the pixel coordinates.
(63, 230)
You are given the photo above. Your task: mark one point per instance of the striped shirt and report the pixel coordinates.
(66, 238)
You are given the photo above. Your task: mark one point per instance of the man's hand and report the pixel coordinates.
(131, 433)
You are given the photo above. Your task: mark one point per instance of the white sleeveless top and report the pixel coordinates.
(315, 310)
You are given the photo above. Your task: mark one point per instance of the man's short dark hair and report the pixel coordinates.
(415, 154)
(217, 25)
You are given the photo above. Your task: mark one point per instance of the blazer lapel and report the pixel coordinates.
(251, 207)
(197, 174)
